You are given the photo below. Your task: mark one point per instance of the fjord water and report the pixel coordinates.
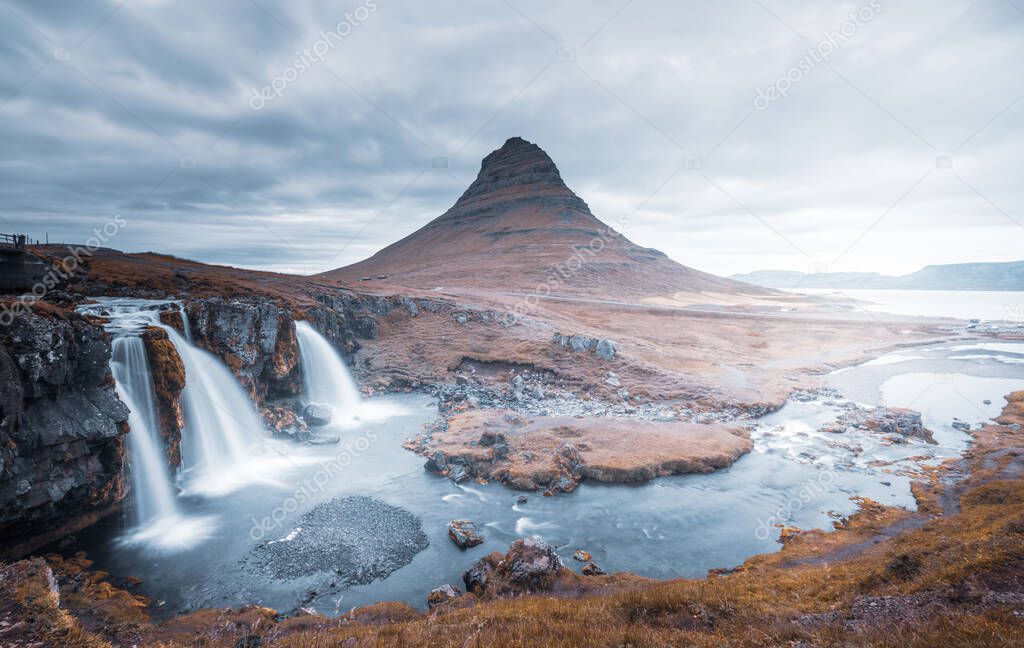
(325, 377)
(963, 304)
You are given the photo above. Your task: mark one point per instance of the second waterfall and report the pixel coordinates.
(326, 379)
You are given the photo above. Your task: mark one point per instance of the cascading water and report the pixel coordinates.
(326, 378)
(222, 423)
(158, 522)
(151, 480)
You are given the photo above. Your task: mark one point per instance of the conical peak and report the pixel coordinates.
(518, 163)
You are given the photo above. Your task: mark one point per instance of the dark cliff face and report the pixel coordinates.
(255, 338)
(62, 429)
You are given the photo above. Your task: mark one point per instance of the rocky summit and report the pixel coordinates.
(519, 227)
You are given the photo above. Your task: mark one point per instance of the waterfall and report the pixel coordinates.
(158, 523)
(151, 481)
(186, 326)
(222, 427)
(326, 378)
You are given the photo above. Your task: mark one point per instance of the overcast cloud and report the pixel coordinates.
(104, 106)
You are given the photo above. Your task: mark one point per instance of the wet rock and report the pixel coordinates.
(530, 563)
(590, 569)
(459, 473)
(323, 439)
(895, 420)
(477, 577)
(436, 463)
(464, 534)
(317, 415)
(963, 426)
(581, 555)
(522, 499)
(443, 594)
(284, 422)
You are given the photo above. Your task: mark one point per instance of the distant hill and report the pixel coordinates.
(518, 227)
(957, 276)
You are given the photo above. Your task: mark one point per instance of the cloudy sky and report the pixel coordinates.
(736, 135)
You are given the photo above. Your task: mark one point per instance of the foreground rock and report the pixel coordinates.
(317, 415)
(530, 565)
(556, 453)
(464, 534)
(62, 428)
(443, 594)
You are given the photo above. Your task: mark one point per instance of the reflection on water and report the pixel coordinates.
(678, 526)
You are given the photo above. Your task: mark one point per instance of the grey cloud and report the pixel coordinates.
(339, 165)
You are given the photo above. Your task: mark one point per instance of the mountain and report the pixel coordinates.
(519, 228)
(958, 276)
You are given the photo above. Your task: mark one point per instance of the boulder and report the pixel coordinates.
(530, 563)
(580, 343)
(317, 415)
(443, 594)
(590, 569)
(478, 577)
(464, 534)
(488, 439)
(605, 349)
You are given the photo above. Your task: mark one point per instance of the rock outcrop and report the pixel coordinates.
(168, 374)
(556, 453)
(884, 420)
(62, 428)
(465, 534)
(255, 338)
(530, 565)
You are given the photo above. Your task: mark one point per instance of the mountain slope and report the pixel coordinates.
(519, 228)
(958, 276)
